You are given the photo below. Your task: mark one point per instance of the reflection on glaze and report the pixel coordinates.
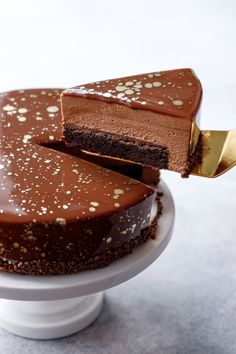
(173, 92)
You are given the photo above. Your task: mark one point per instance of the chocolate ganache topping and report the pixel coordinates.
(172, 92)
(58, 210)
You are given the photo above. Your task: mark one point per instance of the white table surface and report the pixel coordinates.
(185, 303)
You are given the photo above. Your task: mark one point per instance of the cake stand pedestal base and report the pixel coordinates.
(50, 319)
(46, 307)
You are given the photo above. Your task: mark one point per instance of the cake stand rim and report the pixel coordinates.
(44, 288)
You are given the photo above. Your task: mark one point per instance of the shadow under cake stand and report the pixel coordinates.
(46, 307)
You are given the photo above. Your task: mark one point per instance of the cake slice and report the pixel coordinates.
(150, 118)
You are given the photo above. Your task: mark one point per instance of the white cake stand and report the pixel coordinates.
(46, 307)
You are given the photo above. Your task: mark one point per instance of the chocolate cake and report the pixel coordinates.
(59, 212)
(150, 118)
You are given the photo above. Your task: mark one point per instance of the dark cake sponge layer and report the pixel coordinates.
(194, 159)
(110, 145)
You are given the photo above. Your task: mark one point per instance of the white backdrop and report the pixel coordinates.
(61, 43)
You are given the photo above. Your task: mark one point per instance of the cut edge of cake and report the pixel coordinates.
(151, 119)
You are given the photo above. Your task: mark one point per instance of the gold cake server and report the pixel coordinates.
(219, 153)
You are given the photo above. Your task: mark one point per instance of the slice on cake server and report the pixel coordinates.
(152, 119)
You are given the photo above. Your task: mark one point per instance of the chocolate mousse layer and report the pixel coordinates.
(58, 212)
(149, 118)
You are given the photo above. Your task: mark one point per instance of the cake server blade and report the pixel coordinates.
(219, 153)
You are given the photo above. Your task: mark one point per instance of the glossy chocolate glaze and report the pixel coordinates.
(55, 206)
(174, 92)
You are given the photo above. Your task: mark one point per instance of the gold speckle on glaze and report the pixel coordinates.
(173, 92)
